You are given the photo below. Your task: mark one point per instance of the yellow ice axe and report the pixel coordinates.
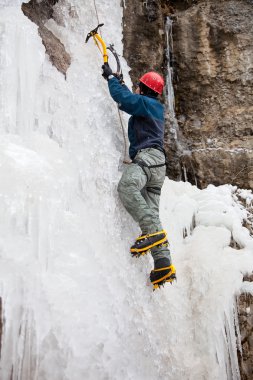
(98, 39)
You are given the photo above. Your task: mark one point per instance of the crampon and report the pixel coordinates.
(144, 243)
(143, 253)
(159, 276)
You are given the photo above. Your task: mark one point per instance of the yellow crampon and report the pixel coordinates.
(143, 250)
(98, 40)
(148, 235)
(143, 253)
(169, 277)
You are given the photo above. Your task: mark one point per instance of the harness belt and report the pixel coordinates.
(154, 190)
(144, 166)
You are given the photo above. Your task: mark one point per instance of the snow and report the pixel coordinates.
(247, 287)
(75, 304)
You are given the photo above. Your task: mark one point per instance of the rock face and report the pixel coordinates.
(213, 53)
(213, 75)
(39, 13)
(245, 314)
(143, 37)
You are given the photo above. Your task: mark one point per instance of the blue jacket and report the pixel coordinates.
(146, 125)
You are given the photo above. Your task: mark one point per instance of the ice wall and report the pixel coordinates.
(60, 151)
(75, 304)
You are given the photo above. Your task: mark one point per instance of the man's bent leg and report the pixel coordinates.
(153, 201)
(163, 270)
(132, 182)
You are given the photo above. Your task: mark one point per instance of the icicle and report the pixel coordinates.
(173, 130)
(169, 78)
(185, 173)
(232, 367)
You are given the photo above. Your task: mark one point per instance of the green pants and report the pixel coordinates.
(138, 193)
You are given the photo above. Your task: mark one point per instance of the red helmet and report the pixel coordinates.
(153, 81)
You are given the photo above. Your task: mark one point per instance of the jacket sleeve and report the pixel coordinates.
(131, 103)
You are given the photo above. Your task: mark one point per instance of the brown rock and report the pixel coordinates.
(213, 75)
(55, 50)
(143, 37)
(219, 165)
(245, 316)
(39, 13)
(213, 55)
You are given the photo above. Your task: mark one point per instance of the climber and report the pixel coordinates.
(141, 182)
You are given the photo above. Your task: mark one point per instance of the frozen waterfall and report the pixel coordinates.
(75, 305)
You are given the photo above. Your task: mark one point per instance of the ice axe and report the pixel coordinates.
(98, 39)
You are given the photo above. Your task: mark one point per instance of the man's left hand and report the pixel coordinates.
(107, 71)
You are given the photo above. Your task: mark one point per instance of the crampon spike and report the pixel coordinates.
(162, 283)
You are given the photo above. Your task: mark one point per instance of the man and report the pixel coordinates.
(140, 185)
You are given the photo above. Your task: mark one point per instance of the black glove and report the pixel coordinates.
(107, 71)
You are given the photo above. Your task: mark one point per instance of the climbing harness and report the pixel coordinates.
(145, 168)
(103, 49)
(143, 164)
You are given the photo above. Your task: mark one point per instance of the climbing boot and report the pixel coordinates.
(145, 242)
(162, 273)
(139, 254)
